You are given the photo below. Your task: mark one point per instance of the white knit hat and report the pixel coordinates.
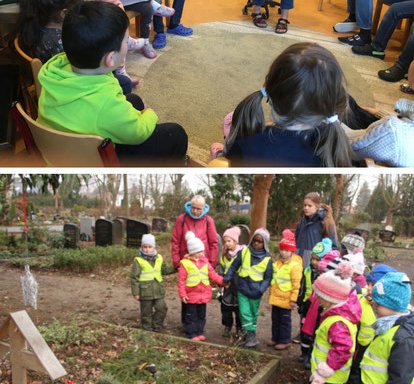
(357, 261)
(194, 244)
(148, 239)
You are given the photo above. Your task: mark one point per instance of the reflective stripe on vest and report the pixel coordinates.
(322, 347)
(308, 283)
(282, 275)
(366, 331)
(149, 272)
(226, 263)
(374, 364)
(195, 276)
(255, 272)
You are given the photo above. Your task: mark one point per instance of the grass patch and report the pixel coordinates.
(170, 360)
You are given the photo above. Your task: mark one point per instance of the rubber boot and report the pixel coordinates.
(251, 340)
(226, 332)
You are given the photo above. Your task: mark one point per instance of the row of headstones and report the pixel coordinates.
(385, 235)
(111, 232)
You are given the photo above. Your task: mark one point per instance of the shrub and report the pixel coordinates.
(56, 240)
(88, 259)
(374, 251)
(240, 219)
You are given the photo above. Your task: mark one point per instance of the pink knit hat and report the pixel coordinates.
(323, 264)
(288, 241)
(233, 233)
(335, 286)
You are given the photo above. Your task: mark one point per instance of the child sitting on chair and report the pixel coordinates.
(80, 95)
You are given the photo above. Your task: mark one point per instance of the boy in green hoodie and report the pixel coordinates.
(80, 94)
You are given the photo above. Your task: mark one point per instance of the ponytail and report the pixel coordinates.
(332, 145)
(248, 119)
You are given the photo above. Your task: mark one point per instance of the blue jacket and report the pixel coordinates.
(248, 287)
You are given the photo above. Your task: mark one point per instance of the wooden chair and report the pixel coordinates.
(29, 79)
(376, 20)
(137, 18)
(61, 149)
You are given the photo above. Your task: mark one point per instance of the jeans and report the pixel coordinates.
(396, 12)
(362, 9)
(284, 4)
(175, 19)
(407, 54)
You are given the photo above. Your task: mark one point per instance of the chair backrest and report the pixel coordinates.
(62, 149)
(30, 80)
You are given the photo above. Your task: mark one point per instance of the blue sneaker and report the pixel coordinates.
(160, 41)
(180, 30)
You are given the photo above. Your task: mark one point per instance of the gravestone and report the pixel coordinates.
(159, 224)
(103, 233)
(244, 234)
(72, 236)
(87, 225)
(117, 232)
(135, 229)
(387, 236)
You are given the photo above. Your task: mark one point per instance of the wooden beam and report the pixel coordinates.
(4, 349)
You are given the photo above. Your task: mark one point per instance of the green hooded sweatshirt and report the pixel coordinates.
(90, 105)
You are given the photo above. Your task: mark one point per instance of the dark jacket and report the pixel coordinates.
(401, 361)
(229, 294)
(248, 287)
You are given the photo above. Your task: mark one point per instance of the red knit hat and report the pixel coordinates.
(335, 286)
(288, 241)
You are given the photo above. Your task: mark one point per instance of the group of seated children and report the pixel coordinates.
(354, 328)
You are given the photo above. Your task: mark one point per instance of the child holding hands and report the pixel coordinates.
(229, 304)
(194, 287)
(147, 287)
(287, 274)
(253, 266)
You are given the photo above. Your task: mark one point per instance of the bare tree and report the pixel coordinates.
(260, 198)
(125, 201)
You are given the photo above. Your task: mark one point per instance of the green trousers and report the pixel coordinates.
(153, 313)
(249, 311)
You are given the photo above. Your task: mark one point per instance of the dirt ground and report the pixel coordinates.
(106, 296)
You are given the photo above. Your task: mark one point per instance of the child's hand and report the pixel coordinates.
(293, 305)
(185, 299)
(136, 297)
(226, 285)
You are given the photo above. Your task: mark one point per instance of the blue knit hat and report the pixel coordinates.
(378, 272)
(323, 247)
(393, 291)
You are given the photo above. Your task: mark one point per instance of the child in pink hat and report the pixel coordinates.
(228, 296)
(335, 337)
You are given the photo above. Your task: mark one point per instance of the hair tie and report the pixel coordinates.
(330, 119)
(263, 91)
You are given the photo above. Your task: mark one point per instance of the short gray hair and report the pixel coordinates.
(199, 199)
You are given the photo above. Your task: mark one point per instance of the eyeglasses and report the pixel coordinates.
(260, 241)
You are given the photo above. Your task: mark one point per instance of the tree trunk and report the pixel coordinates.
(126, 196)
(260, 198)
(390, 216)
(339, 188)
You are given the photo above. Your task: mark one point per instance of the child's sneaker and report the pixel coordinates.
(355, 40)
(392, 74)
(160, 41)
(122, 71)
(347, 25)
(149, 52)
(202, 338)
(180, 30)
(135, 44)
(164, 11)
(368, 50)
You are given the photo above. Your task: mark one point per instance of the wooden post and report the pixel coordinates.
(28, 349)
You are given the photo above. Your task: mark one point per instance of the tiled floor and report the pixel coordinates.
(304, 15)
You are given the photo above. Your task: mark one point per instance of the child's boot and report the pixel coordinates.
(226, 332)
(251, 340)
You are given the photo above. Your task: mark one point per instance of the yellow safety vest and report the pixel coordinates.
(282, 275)
(374, 364)
(148, 272)
(255, 272)
(226, 263)
(307, 274)
(366, 331)
(322, 346)
(195, 276)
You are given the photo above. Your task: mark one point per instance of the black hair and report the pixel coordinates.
(35, 15)
(92, 29)
(304, 85)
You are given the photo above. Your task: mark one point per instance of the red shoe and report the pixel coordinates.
(202, 338)
(196, 338)
(271, 343)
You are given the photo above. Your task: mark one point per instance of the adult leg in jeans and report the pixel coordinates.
(363, 13)
(145, 9)
(407, 55)
(389, 22)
